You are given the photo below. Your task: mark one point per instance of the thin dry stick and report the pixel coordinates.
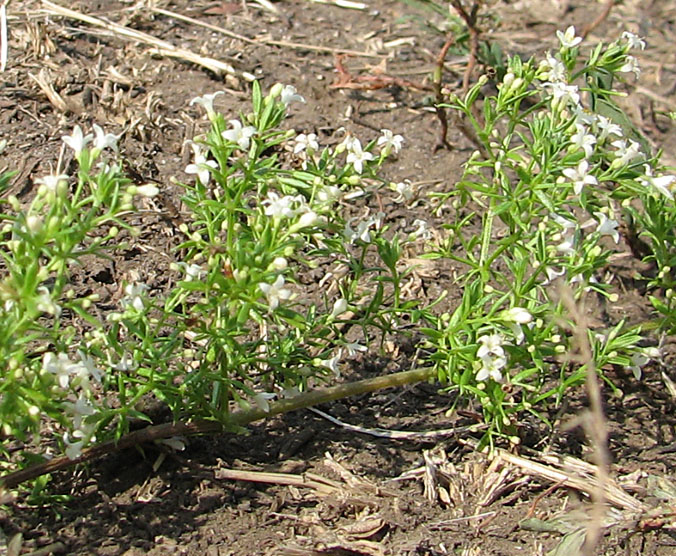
(600, 19)
(594, 423)
(307, 480)
(613, 493)
(269, 42)
(163, 48)
(239, 419)
(398, 435)
(440, 110)
(470, 19)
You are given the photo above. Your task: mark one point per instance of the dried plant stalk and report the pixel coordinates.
(160, 46)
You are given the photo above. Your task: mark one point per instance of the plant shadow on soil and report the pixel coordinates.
(124, 504)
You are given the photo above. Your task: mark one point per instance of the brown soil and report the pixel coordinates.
(149, 501)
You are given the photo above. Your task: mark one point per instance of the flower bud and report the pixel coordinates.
(276, 90)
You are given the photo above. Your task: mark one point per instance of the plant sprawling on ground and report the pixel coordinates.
(558, 168)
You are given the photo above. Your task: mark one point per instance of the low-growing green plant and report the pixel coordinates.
(236, 328)
(537, 209)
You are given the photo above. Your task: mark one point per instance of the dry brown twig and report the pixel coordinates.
(159, 46)
(370, 81)
(263, 41)
(605, 12)
(593, 421)
(470, 18)
(440, 110)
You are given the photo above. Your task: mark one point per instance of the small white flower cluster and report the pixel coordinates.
(57, 183)
(363, 230)
(591, 130)
(491, 353)
(75, 376)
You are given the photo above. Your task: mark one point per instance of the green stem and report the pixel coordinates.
(239, 419)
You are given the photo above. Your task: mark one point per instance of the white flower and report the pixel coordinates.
(389, 142)
(332, 364)
(192, 271)
(607, 128)
(579, 176)
(490, 368)
(363, 229)
(261, 400)
(625, 154)
(239, 135)
(552, 274)
(77, 141)
(563, 94)
(568, 38)
(631, 64)
(104, 140)
(87, 370)
(638, 360)
(201, 165)
(52, 182)
(81, 408)
(207, 101)
(583, 116)
(491, 346)
(125, 364)
(633, 41)
(61, 366)
(84, 434)
(553, 70)
(518, 315)
(339, 307)
(345, 144)
(582, 140)
(405, 190)
(607, 227)
(659, 183)
(280, 207)
(356, 156)
(46, 304)
(275, 292)
(567, 246)
(305, 142)
(422, 230)
(290, 95)
(134, 294)
(354, 347)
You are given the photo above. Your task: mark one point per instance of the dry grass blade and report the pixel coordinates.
(3, 35)
(347, 4)
(319, 484)
(268, 42)
(585, 483)
(160, 46)
(44, 81)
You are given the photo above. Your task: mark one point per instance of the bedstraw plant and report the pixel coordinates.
(558, 171)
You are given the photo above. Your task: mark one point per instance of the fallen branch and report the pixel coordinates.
(239, 419)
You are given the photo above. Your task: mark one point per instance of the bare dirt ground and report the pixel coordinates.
(342, 499)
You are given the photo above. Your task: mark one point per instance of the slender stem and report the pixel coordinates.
(239, 419)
